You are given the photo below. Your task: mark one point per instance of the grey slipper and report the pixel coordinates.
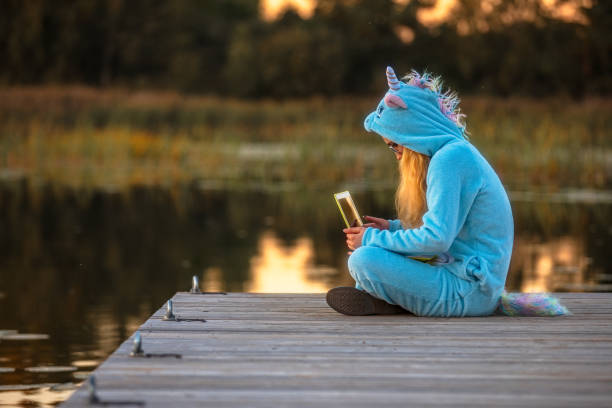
(354, 302)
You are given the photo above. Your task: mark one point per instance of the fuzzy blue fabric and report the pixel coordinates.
(469, 214)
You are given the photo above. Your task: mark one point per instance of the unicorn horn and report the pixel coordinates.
(394, 84)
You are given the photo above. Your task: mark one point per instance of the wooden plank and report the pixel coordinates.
(288, 350)
(352, 397)
(372, 368)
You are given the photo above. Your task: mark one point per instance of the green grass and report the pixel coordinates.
(92, 138)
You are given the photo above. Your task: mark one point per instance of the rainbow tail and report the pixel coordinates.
(530, 304)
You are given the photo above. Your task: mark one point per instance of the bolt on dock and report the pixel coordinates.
(292, 350)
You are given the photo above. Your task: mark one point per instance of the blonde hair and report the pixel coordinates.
(410, 200)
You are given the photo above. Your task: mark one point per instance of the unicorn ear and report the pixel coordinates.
(394, 101)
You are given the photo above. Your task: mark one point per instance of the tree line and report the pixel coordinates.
(508, 47)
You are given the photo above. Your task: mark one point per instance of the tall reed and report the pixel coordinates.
(115, 138)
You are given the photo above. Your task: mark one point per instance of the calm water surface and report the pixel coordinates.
(86, 268)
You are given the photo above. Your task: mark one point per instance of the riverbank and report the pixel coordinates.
(84, 137)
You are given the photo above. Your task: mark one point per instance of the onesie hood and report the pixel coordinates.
(413, 116)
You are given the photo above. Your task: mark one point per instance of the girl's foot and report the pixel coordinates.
(355, 302)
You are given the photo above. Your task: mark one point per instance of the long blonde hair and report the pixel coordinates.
(410, 201)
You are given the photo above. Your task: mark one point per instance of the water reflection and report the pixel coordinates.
(88, 267)
(561, 247)
(40, 396)
(280, 268)
(557, 265)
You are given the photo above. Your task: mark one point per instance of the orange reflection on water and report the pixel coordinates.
(40, 397)
(281, 268)
(560, 264)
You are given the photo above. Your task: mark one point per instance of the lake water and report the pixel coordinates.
(86, 267)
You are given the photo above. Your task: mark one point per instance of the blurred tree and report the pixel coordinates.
(201, 42)
(179, 43)
(217, 46)
(510, 47)
(370, 41)
(291, 57)
(597, 42)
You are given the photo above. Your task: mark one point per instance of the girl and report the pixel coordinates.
(451, 206)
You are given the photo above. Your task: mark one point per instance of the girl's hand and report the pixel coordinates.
(377, 222)
(354, 236)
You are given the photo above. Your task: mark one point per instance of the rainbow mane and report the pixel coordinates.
(447, 101)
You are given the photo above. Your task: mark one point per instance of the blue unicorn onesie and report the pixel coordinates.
(468, 217)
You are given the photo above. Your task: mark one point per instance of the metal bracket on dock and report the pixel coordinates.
(195, 288)
(171, 317)
(95, 400)
(170, 312)
(137, 350)
(91, 386)
(195, 285)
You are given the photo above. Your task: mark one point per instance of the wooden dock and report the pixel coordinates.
(288, 350)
